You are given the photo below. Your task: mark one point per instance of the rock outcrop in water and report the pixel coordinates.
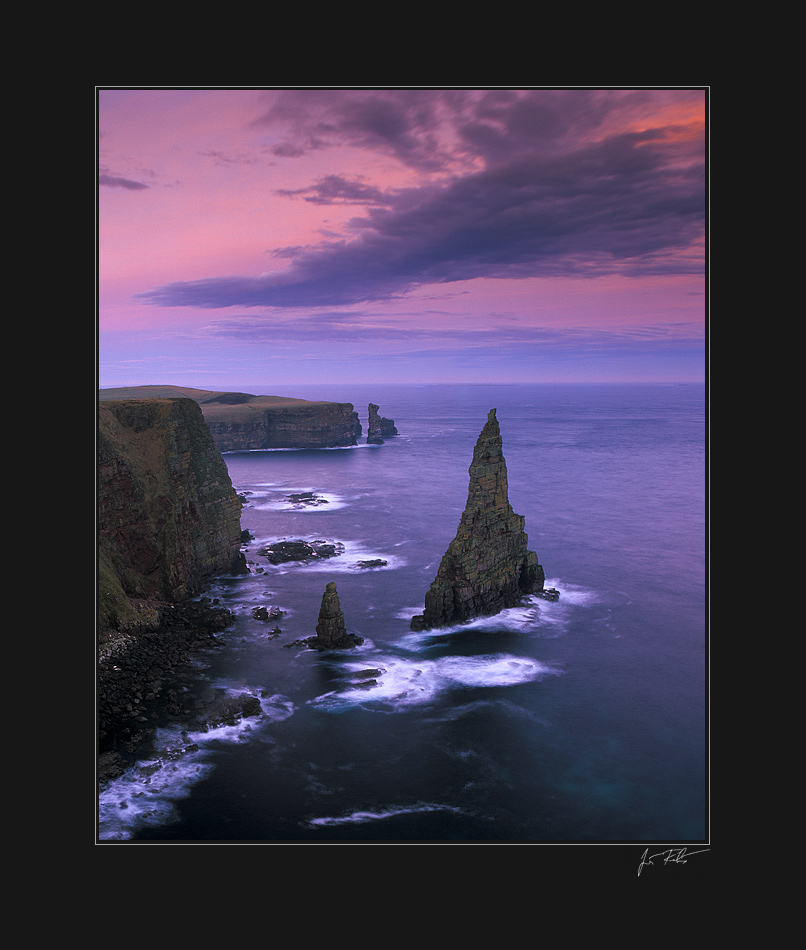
(379, 428)
(331, 632)
(279, 552)
(487, 566)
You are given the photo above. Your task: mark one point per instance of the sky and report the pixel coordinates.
(258, 238)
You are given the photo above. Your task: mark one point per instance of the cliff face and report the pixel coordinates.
(305, 425)
(242, 421)
(168, 516)
(487, 567)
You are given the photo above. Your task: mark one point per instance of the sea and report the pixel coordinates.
(582, 720)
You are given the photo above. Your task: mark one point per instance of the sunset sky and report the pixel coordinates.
(256, 238)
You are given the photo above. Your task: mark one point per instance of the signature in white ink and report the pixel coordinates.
(670, 856)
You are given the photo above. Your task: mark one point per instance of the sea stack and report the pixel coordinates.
(487, 567)
(330, 630)
(379, 427)
(374, 436)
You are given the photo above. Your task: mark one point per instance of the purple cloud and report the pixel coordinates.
(531, 185)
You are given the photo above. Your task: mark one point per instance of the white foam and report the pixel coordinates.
(362, 817)
(309, 448)
(536, 614)
(327, 502)
(405, 683)
(573, 594)
(145, 795)
(344, 562)
(522, 619)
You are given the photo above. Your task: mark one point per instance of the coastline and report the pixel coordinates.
(144, 678)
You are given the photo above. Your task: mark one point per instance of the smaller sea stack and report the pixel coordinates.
(331, 632)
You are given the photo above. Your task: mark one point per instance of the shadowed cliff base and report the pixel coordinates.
(487, 567)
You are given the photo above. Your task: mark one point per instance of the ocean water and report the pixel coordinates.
(581, 720)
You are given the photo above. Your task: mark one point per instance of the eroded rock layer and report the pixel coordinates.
(487, 566)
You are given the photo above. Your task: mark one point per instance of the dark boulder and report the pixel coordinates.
(229, 710)
(283, 551)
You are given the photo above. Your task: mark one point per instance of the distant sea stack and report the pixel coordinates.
(331, 632)
(487, 566)
(379, 428)
(243, 421)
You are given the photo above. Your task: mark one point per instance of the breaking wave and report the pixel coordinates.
(362, 817)
(146, 795)
(534, 615)
(352, 556)
(399, 683)
(276, 496)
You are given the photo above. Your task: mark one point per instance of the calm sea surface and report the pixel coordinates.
(583, 720)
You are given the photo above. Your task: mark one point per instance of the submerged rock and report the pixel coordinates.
(267, 613)
(307, 499)
(228, 710)
(487, 566)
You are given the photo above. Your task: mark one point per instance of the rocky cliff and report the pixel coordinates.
(168, 516)
(309, 425)
(487, 566)
(242, 421)
(168, 521)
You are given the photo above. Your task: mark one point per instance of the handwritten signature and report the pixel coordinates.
(670, 856)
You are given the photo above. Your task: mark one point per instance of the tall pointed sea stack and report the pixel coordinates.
(487, 566)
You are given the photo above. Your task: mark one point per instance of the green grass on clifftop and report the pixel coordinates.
(213, 403)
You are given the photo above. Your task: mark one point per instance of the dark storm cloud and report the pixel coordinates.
(550, 194)
(404, 123)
